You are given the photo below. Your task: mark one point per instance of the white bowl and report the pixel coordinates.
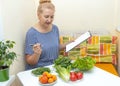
(48, 84)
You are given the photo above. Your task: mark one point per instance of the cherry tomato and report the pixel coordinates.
(72, 73)
(73, 77)
(79, 75)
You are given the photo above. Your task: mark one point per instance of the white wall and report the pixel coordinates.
(1, 25)
(82, 15)
(18, 16)
(70, 16)
(118, 12)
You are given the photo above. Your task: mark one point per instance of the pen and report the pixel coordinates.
(34, 44)
(31, 44)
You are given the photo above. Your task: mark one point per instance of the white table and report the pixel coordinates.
(8, 82)
(94, 77)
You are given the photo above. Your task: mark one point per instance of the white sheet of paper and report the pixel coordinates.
(79, 40)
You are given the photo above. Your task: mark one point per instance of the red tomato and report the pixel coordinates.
(72, 73)
(79, 75)
(73, 77)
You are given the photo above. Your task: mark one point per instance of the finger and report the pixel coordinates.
(36, 45)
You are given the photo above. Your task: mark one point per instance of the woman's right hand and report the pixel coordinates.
(37, 49)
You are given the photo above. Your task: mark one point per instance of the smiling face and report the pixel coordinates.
(45, 14)
(46, 17)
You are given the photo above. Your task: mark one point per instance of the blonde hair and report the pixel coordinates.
(45, 4)
(44, 1)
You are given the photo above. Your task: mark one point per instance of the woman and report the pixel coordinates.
(42, 39)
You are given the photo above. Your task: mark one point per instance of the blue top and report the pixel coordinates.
(49, 42)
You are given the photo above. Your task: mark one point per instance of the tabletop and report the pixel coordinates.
(94, 77)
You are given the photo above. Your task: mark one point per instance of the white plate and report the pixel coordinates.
(48, 84)
(38, 69)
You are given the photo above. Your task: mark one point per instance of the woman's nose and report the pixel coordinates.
(49, 19)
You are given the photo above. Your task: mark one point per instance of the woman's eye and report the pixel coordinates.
(46, 16)
(49, 17)
(52, 17)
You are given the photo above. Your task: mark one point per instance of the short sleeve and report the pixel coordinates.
(30, 39)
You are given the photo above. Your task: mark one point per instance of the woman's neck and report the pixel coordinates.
(42, 28)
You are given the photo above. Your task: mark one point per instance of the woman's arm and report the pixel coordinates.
(33, 59)
(63, 46)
